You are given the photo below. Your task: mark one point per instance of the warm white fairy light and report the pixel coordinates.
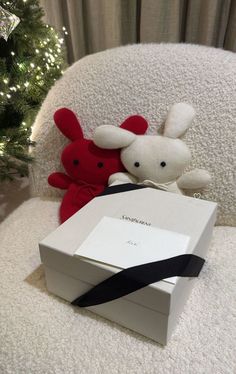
(65, 31)
(1, 93)
(26, 84)
(21, 65)
(8, 96)
(12, 53)
(18, 86)
(32, 65)
(2, 146)
(52, 58)
(5, 80)
(36, 50)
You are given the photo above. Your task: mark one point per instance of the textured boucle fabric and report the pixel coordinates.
(106, 87)
(41, 333)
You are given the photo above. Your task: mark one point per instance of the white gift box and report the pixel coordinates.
(153, 310)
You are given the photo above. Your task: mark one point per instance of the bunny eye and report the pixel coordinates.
(163, 164)
(76, 162)
(100, 165)
(136, 164)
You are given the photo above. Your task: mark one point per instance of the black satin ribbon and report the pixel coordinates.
(134, 278)
(121, 188)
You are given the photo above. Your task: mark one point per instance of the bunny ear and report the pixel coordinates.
(136, 124)
(178, 120)
(68, 124)
(112, 137)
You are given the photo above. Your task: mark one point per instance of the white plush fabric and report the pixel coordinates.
(107, 87)
(40, 333)
(179, 119)
(143, 155)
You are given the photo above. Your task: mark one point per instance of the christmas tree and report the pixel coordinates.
(31, 60)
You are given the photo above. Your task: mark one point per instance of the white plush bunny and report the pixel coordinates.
(157, 161)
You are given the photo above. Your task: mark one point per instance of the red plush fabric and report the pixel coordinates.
(87, 166)
(136, 124)
(76, 197)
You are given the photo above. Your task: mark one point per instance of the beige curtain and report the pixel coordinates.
(95, 25)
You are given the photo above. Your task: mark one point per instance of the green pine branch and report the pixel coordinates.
(31, 61)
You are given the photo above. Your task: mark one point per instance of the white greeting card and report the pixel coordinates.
(123, 244)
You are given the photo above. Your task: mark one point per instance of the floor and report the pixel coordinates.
(12, 194)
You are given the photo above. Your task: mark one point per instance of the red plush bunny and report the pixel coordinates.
(87, 166)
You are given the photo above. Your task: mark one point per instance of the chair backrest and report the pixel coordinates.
(106, 87)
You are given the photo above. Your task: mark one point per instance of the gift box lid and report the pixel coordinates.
(181, 214)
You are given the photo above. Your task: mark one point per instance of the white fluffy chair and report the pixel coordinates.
(40, 333)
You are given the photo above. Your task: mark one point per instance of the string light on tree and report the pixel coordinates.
(25, 81)
(2, 146)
